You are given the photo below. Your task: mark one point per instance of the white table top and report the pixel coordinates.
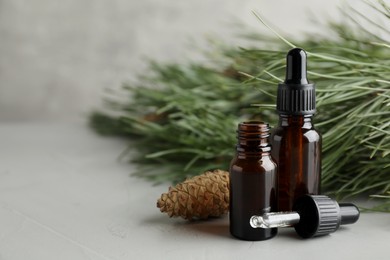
(64, 195)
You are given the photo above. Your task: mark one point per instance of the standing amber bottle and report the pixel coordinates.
(253, 181)
(296, 145)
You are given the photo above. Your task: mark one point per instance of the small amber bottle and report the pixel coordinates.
(296, 145)
(253, 181)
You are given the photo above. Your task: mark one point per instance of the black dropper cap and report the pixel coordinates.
(320, 215)
(296, 96)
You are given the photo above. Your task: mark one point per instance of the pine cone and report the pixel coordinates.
(200, 197)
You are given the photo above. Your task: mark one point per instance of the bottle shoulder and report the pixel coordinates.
(260, 165)
(309, 134)
(313, 135)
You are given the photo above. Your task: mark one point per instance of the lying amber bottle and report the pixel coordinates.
(296, 144)
(253, 181)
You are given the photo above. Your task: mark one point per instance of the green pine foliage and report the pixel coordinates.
(182, 119)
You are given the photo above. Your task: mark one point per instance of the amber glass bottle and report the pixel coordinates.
(253, 181)
(296, 145)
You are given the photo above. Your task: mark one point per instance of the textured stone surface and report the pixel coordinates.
(63, 195)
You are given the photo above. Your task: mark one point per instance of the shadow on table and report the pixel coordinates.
(218, 227)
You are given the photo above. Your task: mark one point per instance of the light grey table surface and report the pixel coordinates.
(64, 195)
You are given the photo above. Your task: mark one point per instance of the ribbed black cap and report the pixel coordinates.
(320, 215)
(296, 96)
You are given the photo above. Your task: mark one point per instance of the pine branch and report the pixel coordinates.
(182, 118)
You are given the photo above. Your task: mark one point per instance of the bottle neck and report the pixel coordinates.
(253, 139)
(303, 121)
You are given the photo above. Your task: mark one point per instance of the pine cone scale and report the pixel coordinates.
(200, 197)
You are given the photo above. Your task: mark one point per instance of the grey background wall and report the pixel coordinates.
(57, 57)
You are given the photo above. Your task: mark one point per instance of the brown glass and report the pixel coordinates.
(296, 149)
(252, 182)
